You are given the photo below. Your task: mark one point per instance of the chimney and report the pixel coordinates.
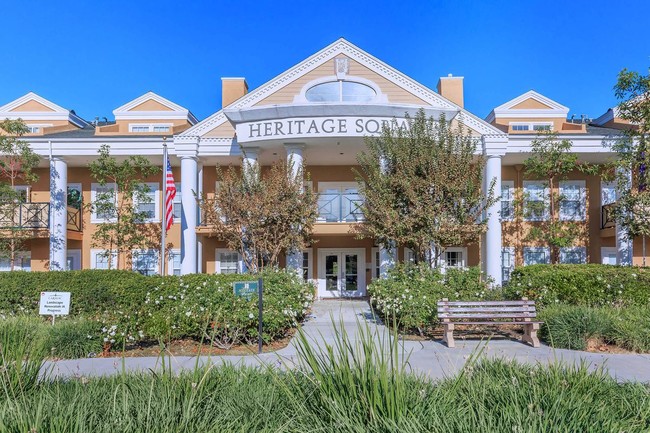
(451, 87)
(232, 88)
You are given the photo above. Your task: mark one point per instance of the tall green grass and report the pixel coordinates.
(22, 351)
(355, 383)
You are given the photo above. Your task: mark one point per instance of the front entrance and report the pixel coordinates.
(341, 272)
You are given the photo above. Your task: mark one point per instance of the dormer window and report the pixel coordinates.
(341, 91)
(149, 127)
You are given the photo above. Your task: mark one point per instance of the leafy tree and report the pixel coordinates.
(124, 229)
(422, 186)
(261, 215)
(552, 161)
(632, 208)
(17, 164)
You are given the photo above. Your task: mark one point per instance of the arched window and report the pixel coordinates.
(340, 91)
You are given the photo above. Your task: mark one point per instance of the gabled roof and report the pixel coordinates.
(56, 112)
(546, 107)
(342, 46)
(175, 111)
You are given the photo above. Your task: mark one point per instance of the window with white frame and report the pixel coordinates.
(519, 127)
(507, 263)
(145, 262)
(535, 200)
(150, 127)
(573, 255)
(542, 126)
(536, 255)
(607, 193)
(103, 199)
(455, 257)
(149, 205)
(340, 91)
(339, 202)
(376, 263)
(37, 128)
(177, 210)
(22, 262)
(507, 200)
(306, 264)
(409, 255)
(103, 259)
(228, 262)
(73, 260)
(174, 265)
(531, 126)
(608, 255)
(573, 198)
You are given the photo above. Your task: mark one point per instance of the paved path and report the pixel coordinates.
(426, 357)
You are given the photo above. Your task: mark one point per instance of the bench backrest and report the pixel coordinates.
(523, 310)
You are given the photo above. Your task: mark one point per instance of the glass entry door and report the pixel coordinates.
(342, 273)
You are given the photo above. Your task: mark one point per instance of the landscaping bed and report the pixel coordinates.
(117, 311)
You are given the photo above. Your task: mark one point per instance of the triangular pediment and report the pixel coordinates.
(152, 105)
(281, 90)
(530, 104)
(32, 107)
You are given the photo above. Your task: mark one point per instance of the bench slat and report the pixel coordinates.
(485, 309)
(483, 303)
(486, 316)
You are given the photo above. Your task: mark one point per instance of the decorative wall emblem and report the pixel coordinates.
(342, 67)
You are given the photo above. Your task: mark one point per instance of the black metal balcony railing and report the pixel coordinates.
(36, 216)
(606, 220)
(340, 207)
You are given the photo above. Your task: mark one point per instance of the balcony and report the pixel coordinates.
(36, 216)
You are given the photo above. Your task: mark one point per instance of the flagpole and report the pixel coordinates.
(164, 201)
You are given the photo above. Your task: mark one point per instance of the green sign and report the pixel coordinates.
(245, 289)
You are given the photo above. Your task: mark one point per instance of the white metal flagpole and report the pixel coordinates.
(164, 201)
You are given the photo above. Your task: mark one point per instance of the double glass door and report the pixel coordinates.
(342, 273)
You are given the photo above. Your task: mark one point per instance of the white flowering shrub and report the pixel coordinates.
(589, 285)
(410, 294)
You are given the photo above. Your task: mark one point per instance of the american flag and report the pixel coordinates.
(170, 193)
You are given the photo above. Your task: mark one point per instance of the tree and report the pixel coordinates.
(421, 185)
(124, 228)
(632, 207)
(261, 215)
(552, 161)
(17, 164)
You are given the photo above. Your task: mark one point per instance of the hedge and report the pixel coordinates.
(410, 294)
(589, 285)
(131, 307)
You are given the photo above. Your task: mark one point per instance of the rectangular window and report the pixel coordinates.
(150, 205)
(608, 255)
(454, 257)
(507, 200)
(607, 193)
(103, 198)
(376, 263)
(536, 255)
(177, 210)
(409, 255)
(160, 128)
(535, 200)
(507, 263)
(145, 262)
(573, 255)
(573, 199)
(519, 127)
(22, 262)
(174, 266)
(152, 127)
(228, 262)
(339, 202)
(102, 259)
(541, 127)
(306, 264)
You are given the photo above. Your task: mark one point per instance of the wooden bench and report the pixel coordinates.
(522, 312)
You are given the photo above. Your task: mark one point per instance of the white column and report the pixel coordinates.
(189, 216)
(493, 243)
(58, 214)
(295, 160)
(624, 244)
(249, 159)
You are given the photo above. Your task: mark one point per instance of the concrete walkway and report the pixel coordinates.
(431, 358)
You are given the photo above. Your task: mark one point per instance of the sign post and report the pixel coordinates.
(54, 304)
(246, 289)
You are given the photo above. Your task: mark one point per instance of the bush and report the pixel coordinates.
(124, 306)
(74, 338)
(570, 327)
(22, 351)
(591, 285)
(631, 329)
(410, 293)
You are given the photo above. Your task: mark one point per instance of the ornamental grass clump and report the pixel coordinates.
(22, 351)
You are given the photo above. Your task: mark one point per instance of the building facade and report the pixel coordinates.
(317, 112)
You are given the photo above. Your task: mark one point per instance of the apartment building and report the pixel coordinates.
(319, 112)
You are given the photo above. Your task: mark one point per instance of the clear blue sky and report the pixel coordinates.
(96, 56)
